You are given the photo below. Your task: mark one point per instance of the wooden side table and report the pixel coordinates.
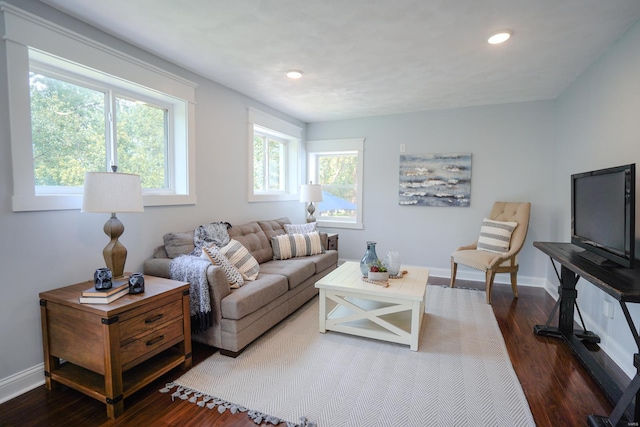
(111, 351)
(332, 241)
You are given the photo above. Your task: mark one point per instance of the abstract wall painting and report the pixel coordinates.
(435, 179)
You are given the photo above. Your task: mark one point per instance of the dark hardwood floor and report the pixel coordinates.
(559, 390)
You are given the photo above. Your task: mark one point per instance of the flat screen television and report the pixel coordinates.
(603, 206)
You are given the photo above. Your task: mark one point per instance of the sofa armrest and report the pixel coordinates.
(218, 284)
(324, 239)
(219, 288)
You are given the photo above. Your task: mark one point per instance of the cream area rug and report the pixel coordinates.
(461, 375)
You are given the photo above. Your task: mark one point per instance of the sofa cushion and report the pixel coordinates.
(252, 237)
(240, 257)
(252, 296)
(295, 270)
(178, 243)
(213, 254)
(296, 245)
(274, 227)
(329, 259)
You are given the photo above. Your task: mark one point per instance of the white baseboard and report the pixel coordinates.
(22, 382)
(478, 276)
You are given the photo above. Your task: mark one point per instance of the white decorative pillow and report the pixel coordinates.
(240, 257)
(309, 227)
(495, 236)
(217, 258)
(296, 245)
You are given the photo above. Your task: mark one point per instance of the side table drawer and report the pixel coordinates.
(151, 343)
(148, 320)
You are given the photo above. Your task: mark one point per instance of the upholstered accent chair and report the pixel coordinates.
(501, 238)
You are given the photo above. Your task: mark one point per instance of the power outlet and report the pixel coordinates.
(607, 309)
(403, 148)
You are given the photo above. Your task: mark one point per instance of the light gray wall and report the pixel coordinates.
(510, 146)
(46, 250)
(598, 120)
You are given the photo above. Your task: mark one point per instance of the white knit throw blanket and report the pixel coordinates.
(193, 269)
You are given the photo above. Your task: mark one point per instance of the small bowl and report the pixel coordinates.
(378, 276)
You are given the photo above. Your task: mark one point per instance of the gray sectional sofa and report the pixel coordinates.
(242, 315)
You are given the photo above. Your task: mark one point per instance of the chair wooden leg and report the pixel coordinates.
(490, 275)
(514, 283)
(454, 270)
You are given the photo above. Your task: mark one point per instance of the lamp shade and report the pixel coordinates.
(111, 192)
(311, 193)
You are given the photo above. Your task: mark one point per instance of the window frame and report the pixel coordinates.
(262, 123)
(283, 161)
(337, 146)
(111, 94)
(29, 37)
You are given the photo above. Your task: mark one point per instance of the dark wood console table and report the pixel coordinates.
(623, 284)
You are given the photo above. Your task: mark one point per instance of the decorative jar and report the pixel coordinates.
(136, 283)
(393, 263)
(102, 278)
(369, 257)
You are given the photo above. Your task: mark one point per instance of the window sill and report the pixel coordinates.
(60, 202)
(339, 224)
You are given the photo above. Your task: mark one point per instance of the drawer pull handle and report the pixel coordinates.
(154, 319)
(155, 340)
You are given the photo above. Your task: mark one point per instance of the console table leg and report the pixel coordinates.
(625, 401)
(568, 299)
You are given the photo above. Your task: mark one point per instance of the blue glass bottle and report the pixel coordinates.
(369, 257)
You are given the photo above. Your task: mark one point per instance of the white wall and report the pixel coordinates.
(597, 126)
(510, 146)
(46, 250)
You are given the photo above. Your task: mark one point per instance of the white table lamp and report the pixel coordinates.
(310, 193)
(106, 192)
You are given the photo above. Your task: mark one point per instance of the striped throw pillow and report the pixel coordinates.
(240, 257)
(217, 258)
(296, 245)
(495, 236)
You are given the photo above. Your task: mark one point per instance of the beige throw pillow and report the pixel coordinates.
(242, 259)
(296, 245)
(217, 258)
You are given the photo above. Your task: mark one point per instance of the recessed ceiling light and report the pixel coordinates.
(294, 74)
(499, 37)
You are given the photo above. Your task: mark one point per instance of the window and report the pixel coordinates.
(269, 163)
(337, 166)
(78, 106)
(85, 126)
(273, 160)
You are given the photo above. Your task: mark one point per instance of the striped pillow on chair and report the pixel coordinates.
(495, 236)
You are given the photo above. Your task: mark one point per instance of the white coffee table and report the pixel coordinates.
(390, 314)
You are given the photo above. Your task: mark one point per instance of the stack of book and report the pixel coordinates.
(99, 296)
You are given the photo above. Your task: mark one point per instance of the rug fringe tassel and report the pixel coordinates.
(203, 400)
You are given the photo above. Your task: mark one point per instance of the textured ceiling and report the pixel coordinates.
(370, 57)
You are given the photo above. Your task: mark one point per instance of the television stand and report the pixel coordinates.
(596, 259)
(623, 284)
